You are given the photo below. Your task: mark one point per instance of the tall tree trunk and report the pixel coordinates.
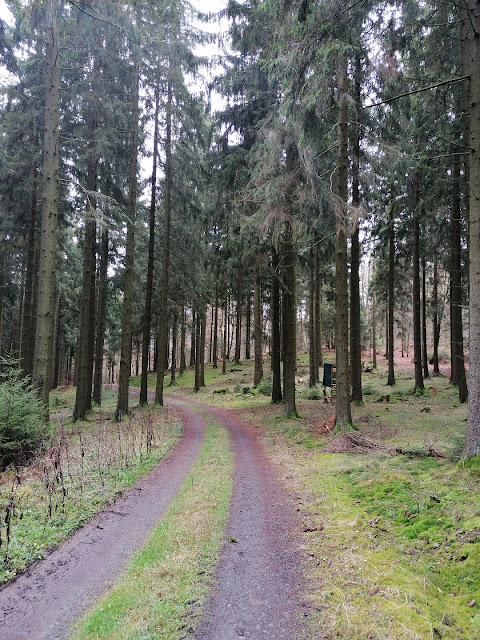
(48, 234)
(174, 345)
(374, 329)
(391, 301)
(183, 331)
(257, 312)
(426, 373)
(312, 345)
(248, 326)
(276, 342)
(198, 341)
(215, 329)
(146, 337)
(355, 321)
(225, 334)
(343, 416)
(203, 334)
(472, 443)
(166, 248)
(126, 340)
(318, 312)
(28, 329)
(193, 339)
(56, 320)
(86, 336)
(289, 310)
(436, 324)
(238, 327)
(101, 316)
(417, 337)
(458, 377)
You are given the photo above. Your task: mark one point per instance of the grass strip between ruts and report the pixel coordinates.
(163, 588)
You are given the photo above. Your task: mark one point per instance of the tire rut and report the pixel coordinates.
(259, 581)
(45, 601)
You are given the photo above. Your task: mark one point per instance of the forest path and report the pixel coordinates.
(46, 600)
(259, 583)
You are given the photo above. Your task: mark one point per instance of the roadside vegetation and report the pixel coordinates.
(162, 590)
(79, 469)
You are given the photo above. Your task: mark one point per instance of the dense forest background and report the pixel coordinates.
(331, 201)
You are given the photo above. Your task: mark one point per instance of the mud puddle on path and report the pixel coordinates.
(44, 602)
(259, 582)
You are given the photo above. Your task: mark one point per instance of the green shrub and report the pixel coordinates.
(264, 387)
(368, 390)
(22, 420)
(314, 394)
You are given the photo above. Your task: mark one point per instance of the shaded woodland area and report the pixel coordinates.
(332, 200)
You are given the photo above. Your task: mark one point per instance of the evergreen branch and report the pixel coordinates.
(415, 91)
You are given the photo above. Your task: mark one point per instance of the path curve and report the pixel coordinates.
(44, 602)
(259, 581)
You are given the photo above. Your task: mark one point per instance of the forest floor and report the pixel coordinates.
(304, 533)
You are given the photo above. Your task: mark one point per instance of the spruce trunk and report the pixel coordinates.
(257, 312)
(147, 318)
(343, 416)
(126, 339)
(163, 332)
(472, 444)
(48, 234)
(101, 317)
(276, 342)
(391, 302)
(417, 337)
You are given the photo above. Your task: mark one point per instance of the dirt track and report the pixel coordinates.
(259, 580)
(44, 602)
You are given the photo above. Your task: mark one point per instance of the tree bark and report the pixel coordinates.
(426, 373)
(276, 342)
(193, 338)
(417, 337)
(48, 234)
(472, 443)
(312, 344)
(374, 329)
(391, 301)
(215, 329)
(126, 340)
(458, 377)
(198, 340)
(101, 316)
(174, 346)
(238, 327)
(343, 416)
(436, 324)
(183, 331)
(166, 249)
(248, 326)
(318, 313)
(289, 309)
(203, 334)
(28, 329)
(355, 322)
(257, 312)
(86, 335)
(225, 334)
(146, 337)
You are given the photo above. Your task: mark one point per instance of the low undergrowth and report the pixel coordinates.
(161, 593)
(80, 470)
